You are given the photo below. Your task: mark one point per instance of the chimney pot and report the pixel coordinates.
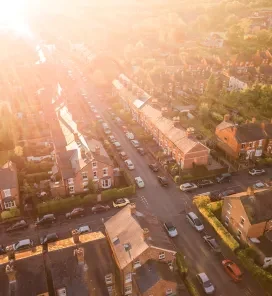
(146, 233)
(253, 120)
(75, 235)
(226, 117)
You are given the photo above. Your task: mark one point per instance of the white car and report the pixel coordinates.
(194, 221)
(84, 229)
(188, 187)
(120, 202)
(171, 229)
(255, 172)
(140, 183)
(135, 143)
(112, 139)
(205, 283)
(117, 146)
(130, 136)
(129, 164)
(107, 131)
(260, 185)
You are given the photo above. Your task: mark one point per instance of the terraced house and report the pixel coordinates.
(178, 143)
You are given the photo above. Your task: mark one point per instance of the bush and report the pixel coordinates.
(114, 193)
(216, 208)
(202, 203)
(262, 276)
(177, 179)
(66, 204)
(32, 167)
(36, 178)
(217, 117)
(191, 287)
(13, 212)
(181, 265)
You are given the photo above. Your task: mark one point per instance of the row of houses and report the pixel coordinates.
(178, 143)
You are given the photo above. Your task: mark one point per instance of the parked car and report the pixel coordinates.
(2, 250)
(100, 208)
(120, 202)
(141, 151)
(107, 131)
(188, 187)
(171, 229)
(163, 181)
(204, 183)
(232, 270)
(205, 283)
(135, 143)
(46, 220)
(260, 185)
(256, 172)
(17, 226)
(123, 155)
(117, 146)
(112, 139)
(212, 243)
(154, 167)
(83, 229)
(129, 164)
(21, 245)
(226, 193)
(223, 178)
(77, 212)
(194, 221)
(49, 238)
(140, 183)
(130, 136)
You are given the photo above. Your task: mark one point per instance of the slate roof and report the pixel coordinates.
(8, 176)
(149, 274)
(126, 228)
(249, 132)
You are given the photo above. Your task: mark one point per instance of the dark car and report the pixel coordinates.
(2, 250)
(17, 226)
(154, 167)
(226, 193)
(49, 238)
(46, 220)
(141, 151)
(100, 208)
(212, 243)
(204, 183)
(77, 212)
(223, 178)
(163, 181)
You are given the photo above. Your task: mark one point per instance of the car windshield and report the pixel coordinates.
(207, 284)
(197, 222)
(120, 201)
(171, 228)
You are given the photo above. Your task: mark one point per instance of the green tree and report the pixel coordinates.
(18, 151)
(204, 111)
(212, 88)
(92, 187)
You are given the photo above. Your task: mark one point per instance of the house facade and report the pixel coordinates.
(9, 187)
(248, 216)
(137, 249)
(245, 141)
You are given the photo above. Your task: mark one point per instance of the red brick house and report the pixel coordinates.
(248, 140)
(139, 244)
(9, 187)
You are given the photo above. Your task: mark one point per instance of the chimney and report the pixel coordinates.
(226, 117)
(146, 233)
(11, 272)
(75, 235)
(97, 150)
(253, 120)
(190, 132)
(79, 253)
(133, 208)
(250, 191)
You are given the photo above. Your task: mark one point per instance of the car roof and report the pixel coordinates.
(193, 215)
(234, 267)
(49, 235)
(24, 241)
(169, 224)
(138, 178)
(84, 227)
(203, 277)
(48, 215)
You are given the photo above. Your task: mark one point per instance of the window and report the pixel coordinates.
(239, 234)
(162, 255)
(7, 192)
(108, 279)
(128, 278)
(227, 221)
(85, 187)
(71, 189)
(70, 181)
(105, 172)
(95, 174)
(243, 146)
(229, 208)
(242, 221)
(9, 204)
(169, 292)
(128, 290)
(94, 164)
(136, 264)
(85, 176)
(106, 183)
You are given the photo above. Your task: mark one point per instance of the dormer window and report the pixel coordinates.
(108, 279)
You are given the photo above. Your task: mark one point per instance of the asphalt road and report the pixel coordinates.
(170, 204)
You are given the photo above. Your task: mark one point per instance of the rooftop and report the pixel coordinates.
(149, 274)
(126, 229)
(249, 132)
(8, 176)
(265, 244)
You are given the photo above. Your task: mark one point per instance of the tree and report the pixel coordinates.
(92, 187)
(212, 88)
(18, 151)
(204, 111)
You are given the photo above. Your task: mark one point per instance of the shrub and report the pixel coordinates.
(262, 276)
(202, 203)
(191, 287)
(32, 167)
(216, 208)
(114, 193)
(36, 178)
(181, 264)
(217, 117)
(13, 212)
(187, 177)
(177, 179)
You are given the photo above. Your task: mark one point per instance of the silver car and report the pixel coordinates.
(205, 283)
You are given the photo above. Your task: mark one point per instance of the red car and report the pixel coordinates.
(232, 270)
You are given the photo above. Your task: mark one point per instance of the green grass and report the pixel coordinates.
(3, 157)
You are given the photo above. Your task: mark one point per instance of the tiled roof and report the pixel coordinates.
(249, 132)
(125, 228)
(223, 125)
(8, 176)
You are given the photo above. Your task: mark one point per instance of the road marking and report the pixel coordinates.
(144, 201)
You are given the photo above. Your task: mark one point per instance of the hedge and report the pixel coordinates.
(111, 194)
(216, 208)
(262, 276)
(36, 178)
(191, 287)
(13, 212)
(65, 204)
(202, 203)
(181, 264)
(32, 167)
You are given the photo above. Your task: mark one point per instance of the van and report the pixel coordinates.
(194, 221)
(21, 245)
(223, 178)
